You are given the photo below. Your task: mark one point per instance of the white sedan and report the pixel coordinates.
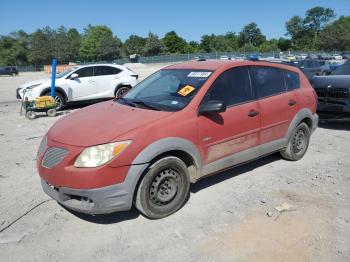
(80, 83)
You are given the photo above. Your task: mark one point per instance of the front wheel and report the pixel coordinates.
(59, 99)
(164, 189)
(298, 143)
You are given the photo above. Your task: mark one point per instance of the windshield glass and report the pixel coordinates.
(167, 90)
(344, 69)
(66, 72)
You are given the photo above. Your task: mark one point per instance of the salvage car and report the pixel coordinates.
(179, 125)
(82, 83)
(334, 93)
(9, 70)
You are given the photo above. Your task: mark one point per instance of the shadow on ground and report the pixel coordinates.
(239, 170)
(335, 124)
(112, 218)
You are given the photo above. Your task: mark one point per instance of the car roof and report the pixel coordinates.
(113, 65)
(214, 64)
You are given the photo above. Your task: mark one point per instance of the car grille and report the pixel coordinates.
(333, 92)
(53, 156)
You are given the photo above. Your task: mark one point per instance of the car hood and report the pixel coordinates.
(331, 81)
(35, 82)
(101, 123)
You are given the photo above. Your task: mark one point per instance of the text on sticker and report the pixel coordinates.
(199, 74)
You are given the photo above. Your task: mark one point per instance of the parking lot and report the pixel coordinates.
(267, 210)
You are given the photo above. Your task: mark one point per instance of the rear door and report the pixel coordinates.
(277, 105)
(84, 86)
(236, 129)
(106, 78)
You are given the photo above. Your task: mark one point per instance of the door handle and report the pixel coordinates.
(292, 102)
(91, 81)
(253, 113)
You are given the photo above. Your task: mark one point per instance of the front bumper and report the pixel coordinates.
(102, 200)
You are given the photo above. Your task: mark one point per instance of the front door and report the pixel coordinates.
(84, 86)
(237, 129)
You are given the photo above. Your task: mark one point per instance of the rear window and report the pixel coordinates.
(105, 70)
(268, 81)
(292, 80)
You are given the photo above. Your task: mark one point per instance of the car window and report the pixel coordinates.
(268, 81)
(292, 80)
(85, 72)
(106, 70)
(232, 87)
(167, 89)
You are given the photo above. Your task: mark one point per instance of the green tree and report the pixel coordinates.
(304, 31)
(153, 45)
(41, 50)
(134, 45)
(232, 41)
(336, 36)
(251, 34)
(284, 44)
(269, 46)
(192, 47)
(173, 43)
(99, 44)
(14, 48)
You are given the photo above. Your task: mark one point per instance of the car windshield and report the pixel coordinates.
(344, 69)
(167, 89)
(66, 72)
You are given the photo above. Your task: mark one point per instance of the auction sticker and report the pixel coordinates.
(186, 90)
(199, 74)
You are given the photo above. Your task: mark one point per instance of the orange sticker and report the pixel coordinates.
(186, 90)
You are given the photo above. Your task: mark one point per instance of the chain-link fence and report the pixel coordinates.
(173, 58)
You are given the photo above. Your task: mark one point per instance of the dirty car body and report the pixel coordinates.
(183, 123)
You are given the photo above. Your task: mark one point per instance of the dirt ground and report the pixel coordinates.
(231, 216)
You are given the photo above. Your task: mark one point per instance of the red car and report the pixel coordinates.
(182, 123)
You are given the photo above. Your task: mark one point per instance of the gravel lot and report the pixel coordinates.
(231, 216)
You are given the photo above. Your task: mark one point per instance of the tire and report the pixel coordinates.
(164, 189)
(30, 115)
(51, 112)
(298, 143)
(121, 91)
(60, 101)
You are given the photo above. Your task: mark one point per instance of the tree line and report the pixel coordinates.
(319, 29)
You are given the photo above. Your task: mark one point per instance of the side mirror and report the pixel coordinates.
(213, 106)
(74, 76)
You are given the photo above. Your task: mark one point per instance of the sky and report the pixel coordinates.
(190, 19)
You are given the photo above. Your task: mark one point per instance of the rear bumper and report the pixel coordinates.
(333, 108)
(102, 200)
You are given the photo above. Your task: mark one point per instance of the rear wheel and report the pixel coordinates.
(298, 143)
(121, 91)
(51, 112)
(59, 99)
(164, 189)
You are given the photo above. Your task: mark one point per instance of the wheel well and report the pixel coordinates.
(307, 121)
(115, 91)
(57, 89)
(185, 157)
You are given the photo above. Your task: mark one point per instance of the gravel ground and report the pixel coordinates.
(232, 216)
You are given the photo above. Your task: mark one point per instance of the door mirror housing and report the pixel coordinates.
(74, 76)
(213, 106)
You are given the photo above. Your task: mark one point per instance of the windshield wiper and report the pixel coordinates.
(125, 101)
(145, 105)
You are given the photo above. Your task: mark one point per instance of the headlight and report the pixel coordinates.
(98, 155)
(31, 87)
